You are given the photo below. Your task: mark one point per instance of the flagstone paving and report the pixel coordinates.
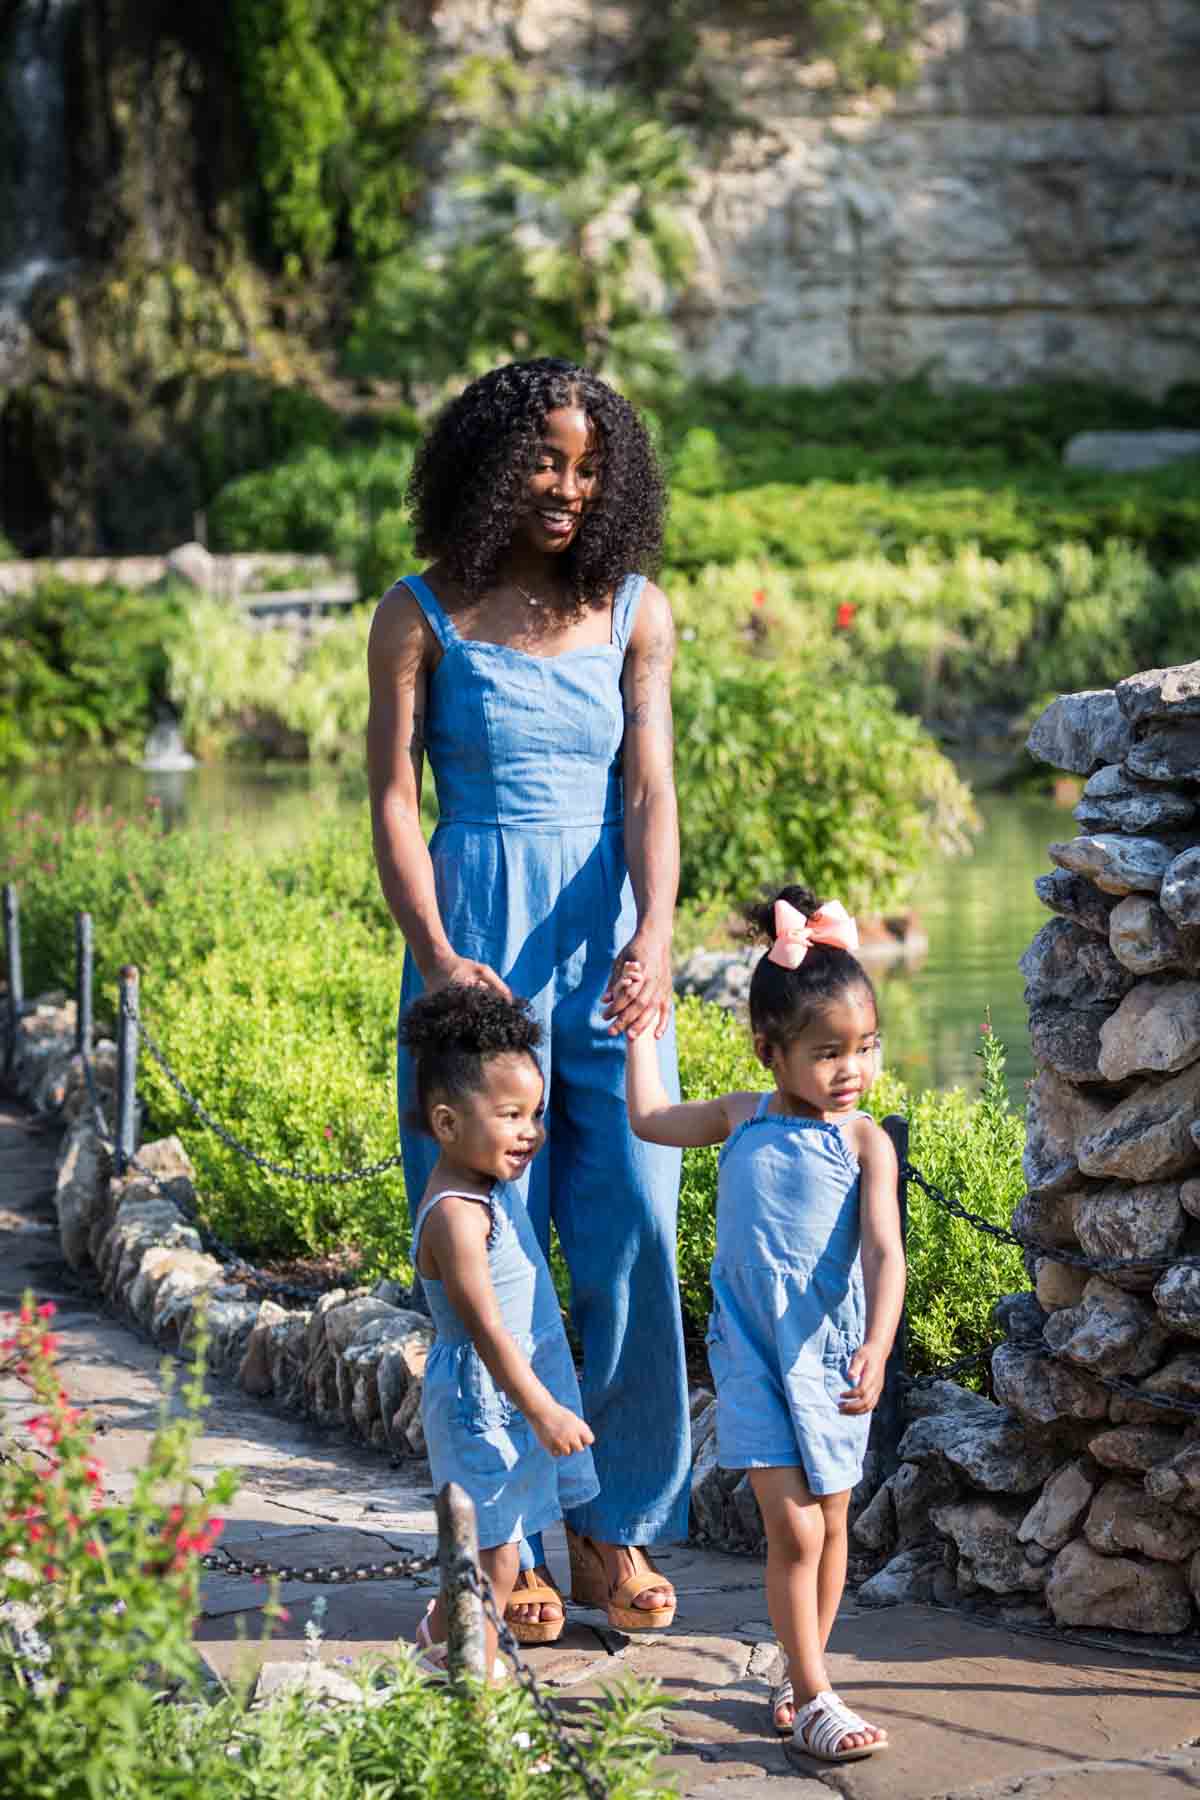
(971, 1708)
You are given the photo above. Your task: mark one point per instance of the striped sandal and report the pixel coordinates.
(589, 1587)
(782, 1695)
(822, 1724)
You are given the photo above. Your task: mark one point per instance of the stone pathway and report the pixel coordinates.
(972, 1709)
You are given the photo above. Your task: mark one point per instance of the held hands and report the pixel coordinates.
(867, 1367)
(639, 992)
(560, 1431)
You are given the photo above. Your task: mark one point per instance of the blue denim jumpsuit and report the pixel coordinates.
(789, 1309)
(530, 874)
(476, 1435)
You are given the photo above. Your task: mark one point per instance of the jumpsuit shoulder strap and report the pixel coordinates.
(625, 606)
(760, 1111)
(426, 1208)
(440, 622)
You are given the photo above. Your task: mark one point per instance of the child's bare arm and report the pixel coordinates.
(655, 1117)
(883, 1265)
(455, 1240)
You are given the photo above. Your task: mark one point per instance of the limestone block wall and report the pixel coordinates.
(1027, 207)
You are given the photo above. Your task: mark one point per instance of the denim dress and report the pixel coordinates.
(530, 874)
(789, 1308)
(476, 1435)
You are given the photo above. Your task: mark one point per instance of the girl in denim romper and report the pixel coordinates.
(500, 1401)
(808, 1280)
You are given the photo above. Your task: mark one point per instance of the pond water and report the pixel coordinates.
(979, 911)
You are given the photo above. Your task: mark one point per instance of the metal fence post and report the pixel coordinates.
(127, 1054)
(16, 982)
(83, 983)
(890, 1411)
(458, 1551)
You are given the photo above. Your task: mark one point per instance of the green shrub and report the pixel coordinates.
(824, 520)
(81, 669)
(945, 428)
(782, 775)
(948, 635)
(969, 1148)
(235, 684)
(319, 500)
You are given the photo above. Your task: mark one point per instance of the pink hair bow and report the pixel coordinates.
(795, 934)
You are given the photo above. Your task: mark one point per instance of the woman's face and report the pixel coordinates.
(564, 483)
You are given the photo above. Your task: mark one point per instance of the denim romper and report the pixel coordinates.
(475, 1433)
(789, 1308)
(530, 874)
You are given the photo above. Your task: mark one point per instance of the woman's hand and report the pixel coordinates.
(639, 992)
(463, 969)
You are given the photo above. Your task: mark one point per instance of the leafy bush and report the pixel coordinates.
(780, 774)
(104, 1696)
(951, 634)
(318, 500)
(273, 998)
(81, 668)
(969, 1148)
(946, 431)
(235, 684)
(824, 520)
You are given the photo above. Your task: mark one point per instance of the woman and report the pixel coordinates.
(533, 662)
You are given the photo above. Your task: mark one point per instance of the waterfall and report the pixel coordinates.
(33, 189)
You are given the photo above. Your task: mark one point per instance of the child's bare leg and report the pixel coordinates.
(831, 1571)
(500, 1565)
(806, 1571)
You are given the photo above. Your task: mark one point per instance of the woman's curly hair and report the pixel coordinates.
(452, 1033)
(468, 482)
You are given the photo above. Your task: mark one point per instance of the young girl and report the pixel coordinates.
(808, 1279)
(500, 1404)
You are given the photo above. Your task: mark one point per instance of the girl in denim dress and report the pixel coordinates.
(808, 1280)
(500, 1402)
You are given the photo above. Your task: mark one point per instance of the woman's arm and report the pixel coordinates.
(399, 654)
(651, 817)
(659, 1120)
(455, 1240)
(884, 1272)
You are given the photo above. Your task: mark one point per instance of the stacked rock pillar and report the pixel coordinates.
(1113, 1165)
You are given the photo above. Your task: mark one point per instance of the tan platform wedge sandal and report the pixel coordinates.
(529, 1591)
(589, 1587)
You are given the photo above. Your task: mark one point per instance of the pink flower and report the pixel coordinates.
(329, 1131)
(47, 1310)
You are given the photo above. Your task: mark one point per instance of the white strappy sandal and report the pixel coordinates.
(434, 1659)
(823, 1723)
(782, 1695)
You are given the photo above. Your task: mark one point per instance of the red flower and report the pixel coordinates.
(845, 615)
(760, 596)
(47, 1309)
(91, 1548)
